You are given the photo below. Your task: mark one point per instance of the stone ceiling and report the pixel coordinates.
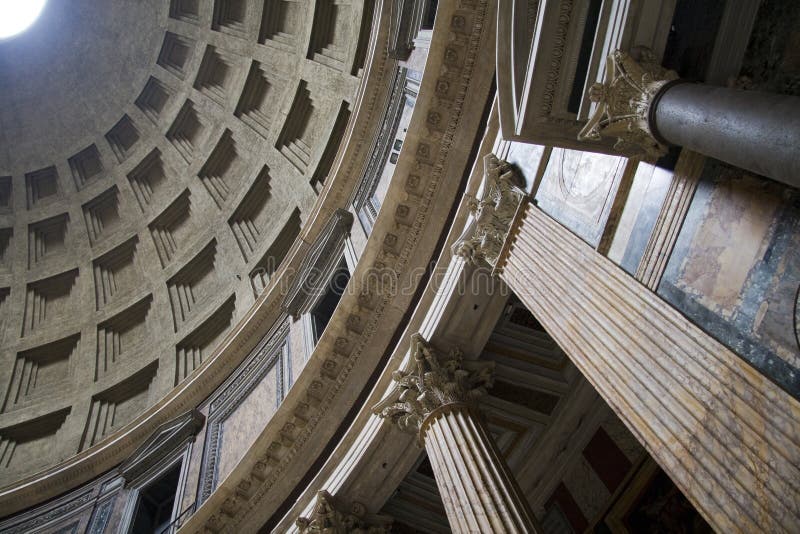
(64, 82)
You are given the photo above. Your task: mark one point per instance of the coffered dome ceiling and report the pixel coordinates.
(157, 161)
(66, 79)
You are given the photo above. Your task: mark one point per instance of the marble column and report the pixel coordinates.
(756, 131)
(436, 400)
(647, 108)
(725, 434)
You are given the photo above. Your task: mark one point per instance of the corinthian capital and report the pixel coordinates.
(484, 236)
(623, 104)
(331, 516)
(435, 380)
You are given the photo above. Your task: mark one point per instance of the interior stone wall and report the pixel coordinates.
(735, 269)
(128, 252)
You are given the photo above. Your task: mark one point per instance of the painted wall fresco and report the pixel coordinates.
(735, 269)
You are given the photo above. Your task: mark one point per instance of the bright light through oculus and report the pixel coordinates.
(16, 16)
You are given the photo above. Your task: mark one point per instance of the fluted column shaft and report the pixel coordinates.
(477, 490)
(725, 434)
(436, 400)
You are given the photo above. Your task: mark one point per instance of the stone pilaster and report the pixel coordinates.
(332, 516)
(725, 434)
(623, 104)
(436, 400)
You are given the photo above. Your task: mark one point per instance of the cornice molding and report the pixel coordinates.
(318, 264)
(168, 437)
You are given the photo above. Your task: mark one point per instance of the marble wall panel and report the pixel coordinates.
(648, 191)
(248, 396)
(735, 269)
(578, 188)
(238, 431)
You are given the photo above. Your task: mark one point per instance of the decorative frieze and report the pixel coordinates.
(483, 238)
(623, 104)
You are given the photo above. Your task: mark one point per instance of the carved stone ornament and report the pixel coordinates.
(623, 103)
(318, 265)
(435, 380)
(168, 437)
(485, 234)
(329, 518)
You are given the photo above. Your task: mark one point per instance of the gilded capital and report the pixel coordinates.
(435, 380)
(623, 104)
(492, 214)
(331, 516)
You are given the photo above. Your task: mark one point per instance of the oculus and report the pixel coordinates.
(16, 16)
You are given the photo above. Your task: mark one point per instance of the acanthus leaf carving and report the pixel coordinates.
(330, 516)
(436, 380)
(623, 104)
(483, 238)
